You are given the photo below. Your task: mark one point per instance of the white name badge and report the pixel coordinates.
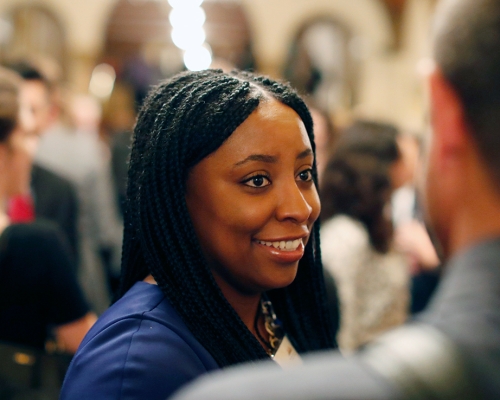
(287, 356)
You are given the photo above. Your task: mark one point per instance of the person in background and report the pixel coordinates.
(404, 207)
(452, 350)
(77, 156)
(38, 288)
(325, 136)
(357, 234)
(51, 196)
(85, 113)
(410, 234)
(118, 119)
(221, 259)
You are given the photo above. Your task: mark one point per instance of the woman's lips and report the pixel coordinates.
(283, 245)
(288, 251)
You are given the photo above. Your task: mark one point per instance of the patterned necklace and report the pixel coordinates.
(272, 324)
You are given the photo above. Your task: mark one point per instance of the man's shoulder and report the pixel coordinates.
(466, 309)
(45, 177)
(468, 289)
(325, 375)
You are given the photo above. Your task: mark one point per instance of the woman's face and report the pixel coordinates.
(253, 202)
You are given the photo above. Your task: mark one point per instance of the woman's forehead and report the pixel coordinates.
(273, 129)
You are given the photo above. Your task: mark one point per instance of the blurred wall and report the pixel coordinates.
(390, 87)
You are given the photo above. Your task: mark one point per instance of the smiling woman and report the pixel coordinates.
(221, 248)
(253, 202)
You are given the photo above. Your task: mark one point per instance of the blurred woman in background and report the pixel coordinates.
(357, 234)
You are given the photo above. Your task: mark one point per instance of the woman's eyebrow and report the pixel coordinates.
(305, 153)
(258, 157)
(270, 159)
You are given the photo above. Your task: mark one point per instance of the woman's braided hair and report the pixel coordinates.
(183, 120)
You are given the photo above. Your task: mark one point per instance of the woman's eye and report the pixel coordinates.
(306, 175)
(257, 181)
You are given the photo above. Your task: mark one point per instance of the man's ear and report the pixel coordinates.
(448, 118)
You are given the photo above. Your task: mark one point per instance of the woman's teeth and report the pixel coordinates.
(288, 245)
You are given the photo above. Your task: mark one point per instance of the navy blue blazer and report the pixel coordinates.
(138, 349)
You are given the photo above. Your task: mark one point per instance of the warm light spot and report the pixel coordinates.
(197, 59)
(102, 81)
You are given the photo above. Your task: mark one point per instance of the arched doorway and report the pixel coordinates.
(34, 32)
(321, 64)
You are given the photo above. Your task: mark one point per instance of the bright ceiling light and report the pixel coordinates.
(180, 17)
(197, 59)
(186, 38)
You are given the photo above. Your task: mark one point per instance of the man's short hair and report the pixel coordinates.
(29, 72)
(467, 50)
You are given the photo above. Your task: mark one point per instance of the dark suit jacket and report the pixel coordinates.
(55, 200)
(452, 351)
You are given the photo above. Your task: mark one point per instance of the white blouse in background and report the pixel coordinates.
(373, 288)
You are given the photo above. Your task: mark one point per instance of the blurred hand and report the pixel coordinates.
(413, 240)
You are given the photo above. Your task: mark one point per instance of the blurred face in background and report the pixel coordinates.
(405, 168)
(36, 96)
(17, 152)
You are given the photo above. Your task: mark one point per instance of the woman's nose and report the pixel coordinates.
(293, 205)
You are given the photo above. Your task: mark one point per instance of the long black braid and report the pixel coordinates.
(182, 121)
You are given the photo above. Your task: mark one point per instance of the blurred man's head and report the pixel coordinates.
(17, 140)
(463, 177)
(36, 93)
